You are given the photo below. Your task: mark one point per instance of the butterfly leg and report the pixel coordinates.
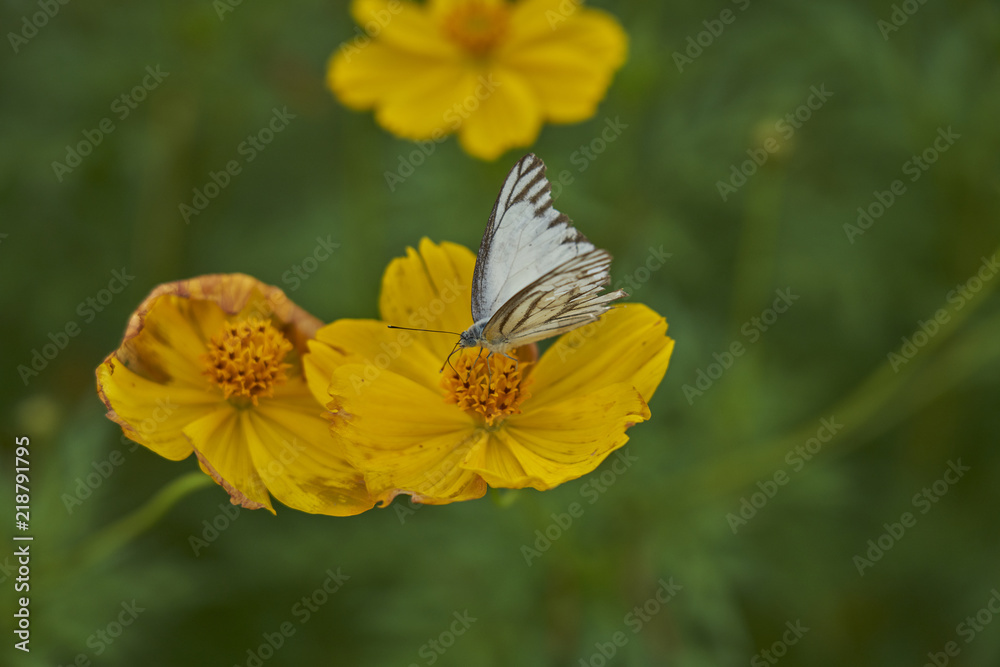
(489, 369)
(473, 364)
(517, 362)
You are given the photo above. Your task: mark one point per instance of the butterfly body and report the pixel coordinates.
(473, 337)
(536, 276)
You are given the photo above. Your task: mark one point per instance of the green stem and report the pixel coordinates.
(120, 533)
(754, 269)
(755, 258)
(863, 412)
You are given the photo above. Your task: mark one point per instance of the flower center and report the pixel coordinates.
(477, 26)
(492, 389)
(245, 359)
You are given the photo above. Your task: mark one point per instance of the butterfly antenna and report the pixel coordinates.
(453, 333)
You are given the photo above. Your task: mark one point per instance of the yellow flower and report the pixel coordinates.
(492, 70)
(442, 437)
(212, 365)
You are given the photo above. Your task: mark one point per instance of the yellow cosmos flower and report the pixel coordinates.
(492, 70)
(444, 436)
(212, 365)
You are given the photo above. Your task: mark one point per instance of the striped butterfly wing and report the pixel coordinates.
(563, 299)
(524, 239)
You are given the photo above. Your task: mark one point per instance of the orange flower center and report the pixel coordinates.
(477, 25)
(245, 359)
(492, 389)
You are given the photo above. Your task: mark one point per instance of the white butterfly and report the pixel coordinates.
(536, 276)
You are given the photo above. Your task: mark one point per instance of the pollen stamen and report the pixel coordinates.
(492, 386)
(245, 359)
(477, 26)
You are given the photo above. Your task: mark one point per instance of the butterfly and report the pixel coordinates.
(536, 276)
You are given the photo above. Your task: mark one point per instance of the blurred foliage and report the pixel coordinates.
(654, 186)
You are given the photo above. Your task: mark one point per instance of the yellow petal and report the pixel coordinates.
(318, 366)
(362, 79)
(567, 59)
(298, 460)
(441, 8)
(405, 25)
(425, 107)
(172, 338)
(414, 96)
(628, 344)
(220, 439)
(374, 345)
(151, 413)
(545, 447)
(166, 334)
(430, 290)
(507, 114)
(238, 293)
(155, 387)
(404, 438)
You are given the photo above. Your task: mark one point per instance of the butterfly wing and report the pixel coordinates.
(524, 239)
(563, 299)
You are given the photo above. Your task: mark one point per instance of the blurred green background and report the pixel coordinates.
(700, 460)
